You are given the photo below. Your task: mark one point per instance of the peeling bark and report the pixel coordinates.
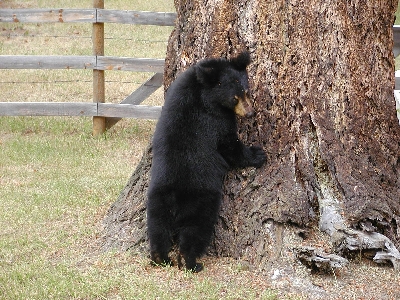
(320, 261)
(322, 78)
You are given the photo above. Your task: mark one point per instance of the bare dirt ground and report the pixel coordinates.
(361, 279)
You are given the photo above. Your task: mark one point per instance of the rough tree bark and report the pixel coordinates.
(322, 78)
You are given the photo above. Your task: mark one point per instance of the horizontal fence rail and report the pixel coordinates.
(81, 62)
(94, 15)
(79, 109)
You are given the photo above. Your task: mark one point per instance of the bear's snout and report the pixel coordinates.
(244, 108)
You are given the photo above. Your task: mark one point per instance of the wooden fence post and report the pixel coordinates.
(99, 123)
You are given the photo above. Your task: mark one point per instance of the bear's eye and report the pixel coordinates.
(236, 101)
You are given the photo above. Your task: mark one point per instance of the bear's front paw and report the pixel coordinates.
(258, 156)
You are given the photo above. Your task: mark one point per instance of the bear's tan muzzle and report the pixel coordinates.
(244, 108)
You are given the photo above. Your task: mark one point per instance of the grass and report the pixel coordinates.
(57, 182)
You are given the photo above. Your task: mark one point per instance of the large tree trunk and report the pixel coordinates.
(322, 78)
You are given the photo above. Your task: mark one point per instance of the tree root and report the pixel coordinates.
(347, 240)
(355, 240)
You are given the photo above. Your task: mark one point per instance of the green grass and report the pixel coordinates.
(57, 182)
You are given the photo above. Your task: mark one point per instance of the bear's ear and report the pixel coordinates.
(207, 74)
(241, 61)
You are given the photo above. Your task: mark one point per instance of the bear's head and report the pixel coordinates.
(226, 83)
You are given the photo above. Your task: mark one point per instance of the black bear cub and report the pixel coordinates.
(194, 145)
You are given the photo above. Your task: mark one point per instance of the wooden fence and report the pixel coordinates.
(104, 114)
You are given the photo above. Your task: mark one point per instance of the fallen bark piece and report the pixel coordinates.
(355, 240)
(318, 260)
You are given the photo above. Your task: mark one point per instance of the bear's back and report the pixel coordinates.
(186, 138)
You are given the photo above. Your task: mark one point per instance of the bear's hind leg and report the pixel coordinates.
(159, 259)
(196, 225)
(193, 241)
(190, 263)
(159, 231)
(160, 245)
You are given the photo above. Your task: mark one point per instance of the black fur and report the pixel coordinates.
(194, 145)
